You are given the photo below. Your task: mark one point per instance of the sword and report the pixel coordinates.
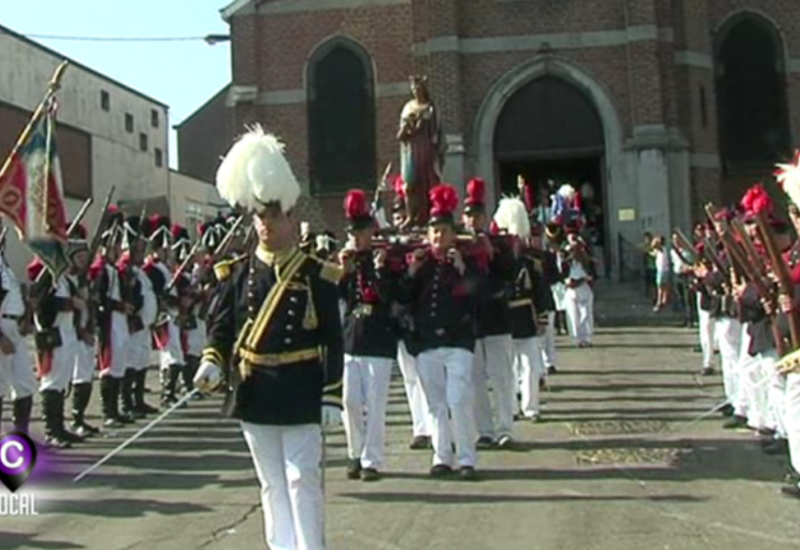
(135, 436)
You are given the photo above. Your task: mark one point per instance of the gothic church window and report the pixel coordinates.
(341, 118)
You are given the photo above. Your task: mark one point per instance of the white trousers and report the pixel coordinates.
(287, 462)
(728, 334)
(446, 376)
(16, 370)
(366, 395)
(776, 409)
(83, 371)
(63, 362)
(549, 341)
(422, 424)
(752, 370)
(705, 326)
(793, 418)
(528, 358)
(139, 349)
(119, 345)
(172, 354)
(493, 366)
(580, 313)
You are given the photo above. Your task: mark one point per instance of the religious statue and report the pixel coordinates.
(421, 151)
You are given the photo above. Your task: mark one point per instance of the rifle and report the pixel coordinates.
(685, 249)
(754, 271)
(97, 234)
(781, 271)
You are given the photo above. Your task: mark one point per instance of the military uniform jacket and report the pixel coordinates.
(279, 372)
(493, 315)
(369, 329)
(528, 300)
(442, 305)
(759, 325)
(546, 266)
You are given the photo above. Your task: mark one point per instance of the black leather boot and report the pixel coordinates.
(109, 395)
(22, 413)
(169, 385)
(126, 395)
(81, 395)
(53, 432)
(65, 433)
(139, 386)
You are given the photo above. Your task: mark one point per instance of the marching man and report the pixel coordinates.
(579, 297)
(166, 334)
(370, 341)
(442, 290)
(112, 323)
(494, 351)
(144, 308)
(524, 304)
(276, 334)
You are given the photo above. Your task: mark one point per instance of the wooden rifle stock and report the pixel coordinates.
(781, 271)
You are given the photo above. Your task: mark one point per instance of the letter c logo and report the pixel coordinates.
(4, 452)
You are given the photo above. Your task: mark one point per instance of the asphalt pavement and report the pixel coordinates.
(619, 462)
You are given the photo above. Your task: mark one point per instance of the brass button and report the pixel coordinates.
(289, 327)
(287, 341)
(291, 313)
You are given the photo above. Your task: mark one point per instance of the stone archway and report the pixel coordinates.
(612, 163)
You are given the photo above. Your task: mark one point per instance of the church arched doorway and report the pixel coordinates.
(550, 132)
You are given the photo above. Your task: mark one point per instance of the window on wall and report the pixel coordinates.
(341, 119)
(159, 157)
(143, 142)
(105, 100)
(751, 96)
(154, 118)
(129, 123)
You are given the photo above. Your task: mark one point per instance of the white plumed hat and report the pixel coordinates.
(255, 173)
(512, 217)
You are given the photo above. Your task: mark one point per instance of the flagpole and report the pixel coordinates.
(52, 88)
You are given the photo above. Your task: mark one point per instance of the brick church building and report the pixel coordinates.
(654, 107)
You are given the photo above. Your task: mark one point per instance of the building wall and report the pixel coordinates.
(192, 201)
(647, 65)
(205, 137)
(93, 143)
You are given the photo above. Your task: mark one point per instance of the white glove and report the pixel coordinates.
(331, 415)
(207, 377)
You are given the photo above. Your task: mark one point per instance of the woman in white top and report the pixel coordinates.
(662, 273)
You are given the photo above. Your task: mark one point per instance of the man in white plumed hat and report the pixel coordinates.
(275, 344)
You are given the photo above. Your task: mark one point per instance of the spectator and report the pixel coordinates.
(662, 275)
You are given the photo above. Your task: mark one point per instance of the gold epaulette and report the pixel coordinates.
(224, 269)
(329, 271)
(789, 364)
(213, 355)
(538, 265)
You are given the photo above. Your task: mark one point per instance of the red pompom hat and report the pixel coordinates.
(444, 201)
(475, 201)
(357, 210)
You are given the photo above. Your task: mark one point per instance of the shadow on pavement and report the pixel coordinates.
(483, 498)
(21, 540)
(123, 507)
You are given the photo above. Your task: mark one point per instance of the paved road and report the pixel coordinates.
(617, 465)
